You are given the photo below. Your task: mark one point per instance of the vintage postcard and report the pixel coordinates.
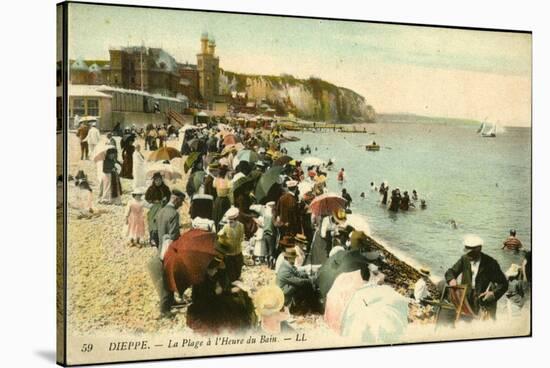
(234, 183)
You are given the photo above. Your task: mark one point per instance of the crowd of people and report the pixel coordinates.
(247, 199)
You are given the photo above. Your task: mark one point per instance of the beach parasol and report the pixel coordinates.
(187, 259)
(194, 182)
(247, 155)
(164, 154)
(101, 151)
(375, 315)
(245, 183)
(337, 299)
(326, 204)
(167, 171)
(313, 161)
(267, 182)
(283, 160)
(190, 161)
(337, 264)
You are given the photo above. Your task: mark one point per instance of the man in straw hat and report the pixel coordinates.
(269, 301)
(481, 274)
(297, 286)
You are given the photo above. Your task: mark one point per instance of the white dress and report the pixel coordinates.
(138, 170)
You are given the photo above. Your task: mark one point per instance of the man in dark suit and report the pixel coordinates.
(287, 210)
(168, 223)
(481, 274)
(296, 285)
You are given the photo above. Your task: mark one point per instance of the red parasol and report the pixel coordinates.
(326, 204)
(187, 259)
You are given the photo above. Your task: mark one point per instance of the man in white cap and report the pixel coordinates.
(230, 237)
(481, 274)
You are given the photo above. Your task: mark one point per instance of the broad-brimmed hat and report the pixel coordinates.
(178, 193)
(137, 191)
(424, 271)
(232, 213)
(513, 271)
(269, 300)
(300, 238)
(286, 242)
(471, 242)
(339, 215)
(357, 239)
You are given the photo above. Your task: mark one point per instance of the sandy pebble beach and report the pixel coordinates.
(109, 288)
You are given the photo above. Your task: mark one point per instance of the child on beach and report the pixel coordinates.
(135, 218)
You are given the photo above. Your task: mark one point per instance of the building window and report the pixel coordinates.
(93, 107)
(78, 107)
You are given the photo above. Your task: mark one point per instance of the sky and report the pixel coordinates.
(442, 72)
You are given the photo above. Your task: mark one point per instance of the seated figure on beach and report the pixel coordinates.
(218, 305)
(300, 296)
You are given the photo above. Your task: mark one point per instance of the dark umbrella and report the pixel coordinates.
(344, 261)
(187, 259)
(245, 183)
(283, 160)
(194, 182)
(247, 156)
(191, 159)
(267, 182)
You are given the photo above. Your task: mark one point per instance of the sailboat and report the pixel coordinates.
(492, 133)
(481, 127)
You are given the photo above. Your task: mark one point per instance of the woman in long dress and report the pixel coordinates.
(110, 189)
(127, 159)
(135, 218)
(138, 169)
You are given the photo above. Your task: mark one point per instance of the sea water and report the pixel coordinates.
(483, 184)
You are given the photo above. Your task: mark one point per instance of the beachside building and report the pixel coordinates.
(112, 105)
(155, 71)
(88, 100)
